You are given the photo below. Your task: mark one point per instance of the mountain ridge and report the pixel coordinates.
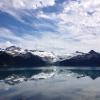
(16, 56)
(91, 58)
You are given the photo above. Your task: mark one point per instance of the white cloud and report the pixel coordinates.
(26, 4)
(41, 14)
(5, 44)
(51, 42)
(48, 41)
(78, 27)
(6, 33)
(81, 20)
(17, 8)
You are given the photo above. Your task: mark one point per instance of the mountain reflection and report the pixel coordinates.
(17, 76)
(92, 73)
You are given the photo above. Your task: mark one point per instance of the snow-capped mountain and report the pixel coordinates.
(14, 52)
(69, 56)
(91, 58)
(17, 56)
(46, 56)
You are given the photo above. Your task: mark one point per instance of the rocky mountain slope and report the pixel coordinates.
(15, 56)
(91, 58)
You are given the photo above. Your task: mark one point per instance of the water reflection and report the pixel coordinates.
(92, 73)
(15, 76)
(52, 83)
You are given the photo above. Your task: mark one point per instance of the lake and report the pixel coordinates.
(50, 83)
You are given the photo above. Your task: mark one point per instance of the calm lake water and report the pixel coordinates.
(50, 83)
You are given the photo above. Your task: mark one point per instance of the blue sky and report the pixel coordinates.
(60, 26)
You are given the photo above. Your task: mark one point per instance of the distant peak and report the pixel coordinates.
(92, 51)
(13, 48)
(78, 52)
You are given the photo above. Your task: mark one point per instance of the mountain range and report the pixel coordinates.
(91, 58)
(15, 56)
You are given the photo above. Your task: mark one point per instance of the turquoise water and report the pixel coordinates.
(50, 83)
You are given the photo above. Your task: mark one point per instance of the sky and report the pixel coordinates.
(60, 26)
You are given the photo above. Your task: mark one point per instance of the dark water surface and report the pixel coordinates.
(50, 83)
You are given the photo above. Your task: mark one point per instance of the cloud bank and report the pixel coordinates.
(52, 25)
